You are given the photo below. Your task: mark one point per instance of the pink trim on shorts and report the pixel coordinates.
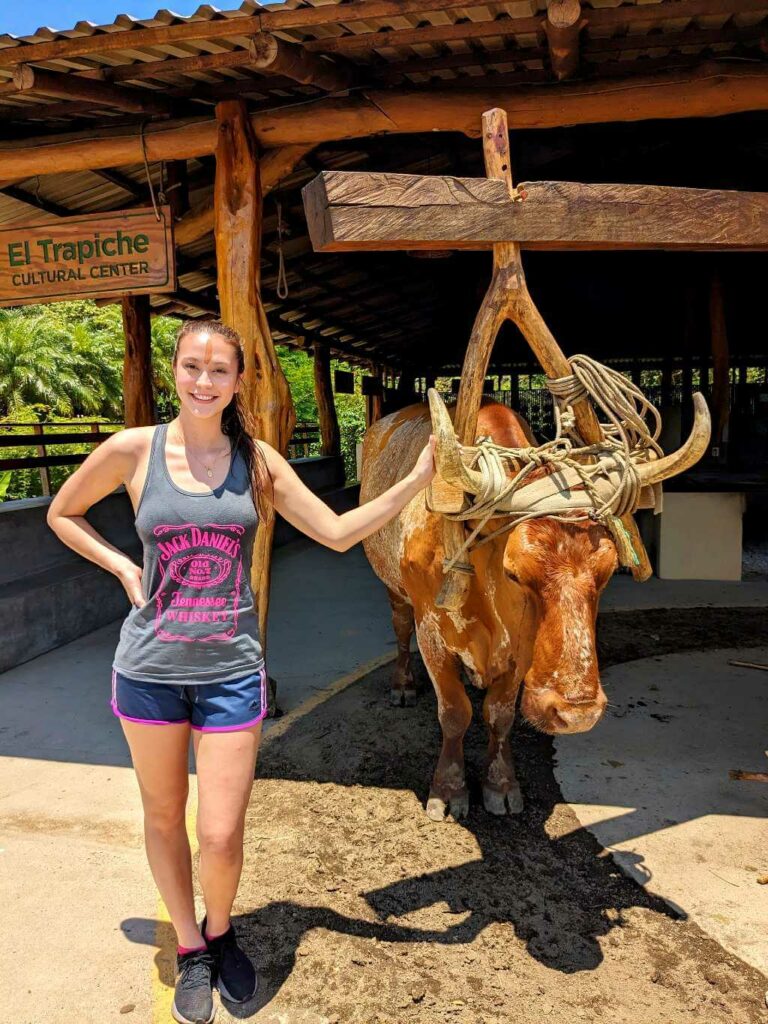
(141, 721)
(230, 728)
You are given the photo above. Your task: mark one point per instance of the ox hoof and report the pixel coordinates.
(456, 806)
(402, 698)
(502, 803)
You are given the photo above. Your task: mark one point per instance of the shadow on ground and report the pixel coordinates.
(363, 909)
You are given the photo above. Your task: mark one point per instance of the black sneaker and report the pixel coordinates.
(193, 999)
(235, 974)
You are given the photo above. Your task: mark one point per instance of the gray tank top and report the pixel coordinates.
(199, 623)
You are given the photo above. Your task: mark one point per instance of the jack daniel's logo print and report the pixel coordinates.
(202, 571)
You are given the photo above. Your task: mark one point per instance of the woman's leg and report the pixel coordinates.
(160, 756)
(225, 767)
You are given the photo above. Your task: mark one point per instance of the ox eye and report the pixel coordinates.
(512, 576)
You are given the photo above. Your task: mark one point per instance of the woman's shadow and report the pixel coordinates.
(538, 872)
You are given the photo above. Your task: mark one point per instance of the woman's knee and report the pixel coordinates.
(165, 816)
(221, 840)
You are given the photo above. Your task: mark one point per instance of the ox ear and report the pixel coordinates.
(688, 455)
(448, 459)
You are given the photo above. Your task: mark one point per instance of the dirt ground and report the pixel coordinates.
(358, 908)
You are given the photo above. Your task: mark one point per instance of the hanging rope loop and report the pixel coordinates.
(151, 187)
(282, 280)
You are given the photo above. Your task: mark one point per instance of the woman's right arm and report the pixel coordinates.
(113, 463)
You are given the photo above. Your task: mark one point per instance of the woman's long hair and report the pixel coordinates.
(236, 421)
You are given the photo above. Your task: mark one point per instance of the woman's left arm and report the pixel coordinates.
(304, 510)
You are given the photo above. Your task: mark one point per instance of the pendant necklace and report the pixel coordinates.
(208, 469)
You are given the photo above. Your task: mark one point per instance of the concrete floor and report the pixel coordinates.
(72, 867)
(675, 821)
(72, 870)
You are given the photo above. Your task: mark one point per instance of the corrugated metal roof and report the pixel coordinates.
(486, 33)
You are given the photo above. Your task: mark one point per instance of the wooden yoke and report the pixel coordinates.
(508, 298)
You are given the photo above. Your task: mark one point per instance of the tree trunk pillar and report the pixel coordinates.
(326, 407)
(265, 393)
(138, 400)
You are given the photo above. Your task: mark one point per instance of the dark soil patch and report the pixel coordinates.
(360, 909)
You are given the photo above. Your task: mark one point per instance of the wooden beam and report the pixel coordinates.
(203, 300)
(275, 165)
(562, 25)
(707, 91)
(33, 81)
(273, 56)
(205, 62)
(36, 202)
(134, 188)
(266, 394)
(137, 363)
(354, 210)
(326, 407)
(461, 32)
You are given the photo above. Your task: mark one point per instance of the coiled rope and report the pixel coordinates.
(627, 439)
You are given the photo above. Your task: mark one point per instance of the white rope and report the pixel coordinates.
(627, 439)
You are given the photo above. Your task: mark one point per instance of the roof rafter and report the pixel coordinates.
(33, 81)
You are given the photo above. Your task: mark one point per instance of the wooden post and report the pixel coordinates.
(238, 202)
(373, 402)
(177, 187)
(562, 27)
(138, 400)
(721, 387)
(326, 407)
(45, 476)
(686, 400)
(704, 375)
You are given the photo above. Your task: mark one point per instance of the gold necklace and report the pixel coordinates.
(208, 469)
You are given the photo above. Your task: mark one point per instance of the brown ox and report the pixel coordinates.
(529, 616)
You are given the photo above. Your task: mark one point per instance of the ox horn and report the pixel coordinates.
(448, 459)
(677, 462)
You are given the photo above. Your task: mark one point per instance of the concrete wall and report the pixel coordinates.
(698, 536)
(49, 595)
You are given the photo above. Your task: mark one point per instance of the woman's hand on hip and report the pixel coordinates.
(129, 575)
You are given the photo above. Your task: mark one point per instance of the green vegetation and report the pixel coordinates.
(64, 362)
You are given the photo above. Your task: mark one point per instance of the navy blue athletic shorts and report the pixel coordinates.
(207, 707)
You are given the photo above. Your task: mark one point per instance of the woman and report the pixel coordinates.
(189, 657)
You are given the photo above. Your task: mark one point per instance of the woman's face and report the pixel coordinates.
(206, 373)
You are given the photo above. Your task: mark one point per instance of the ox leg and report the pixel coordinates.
(403, 692)
(501, 792)
(448, 793)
